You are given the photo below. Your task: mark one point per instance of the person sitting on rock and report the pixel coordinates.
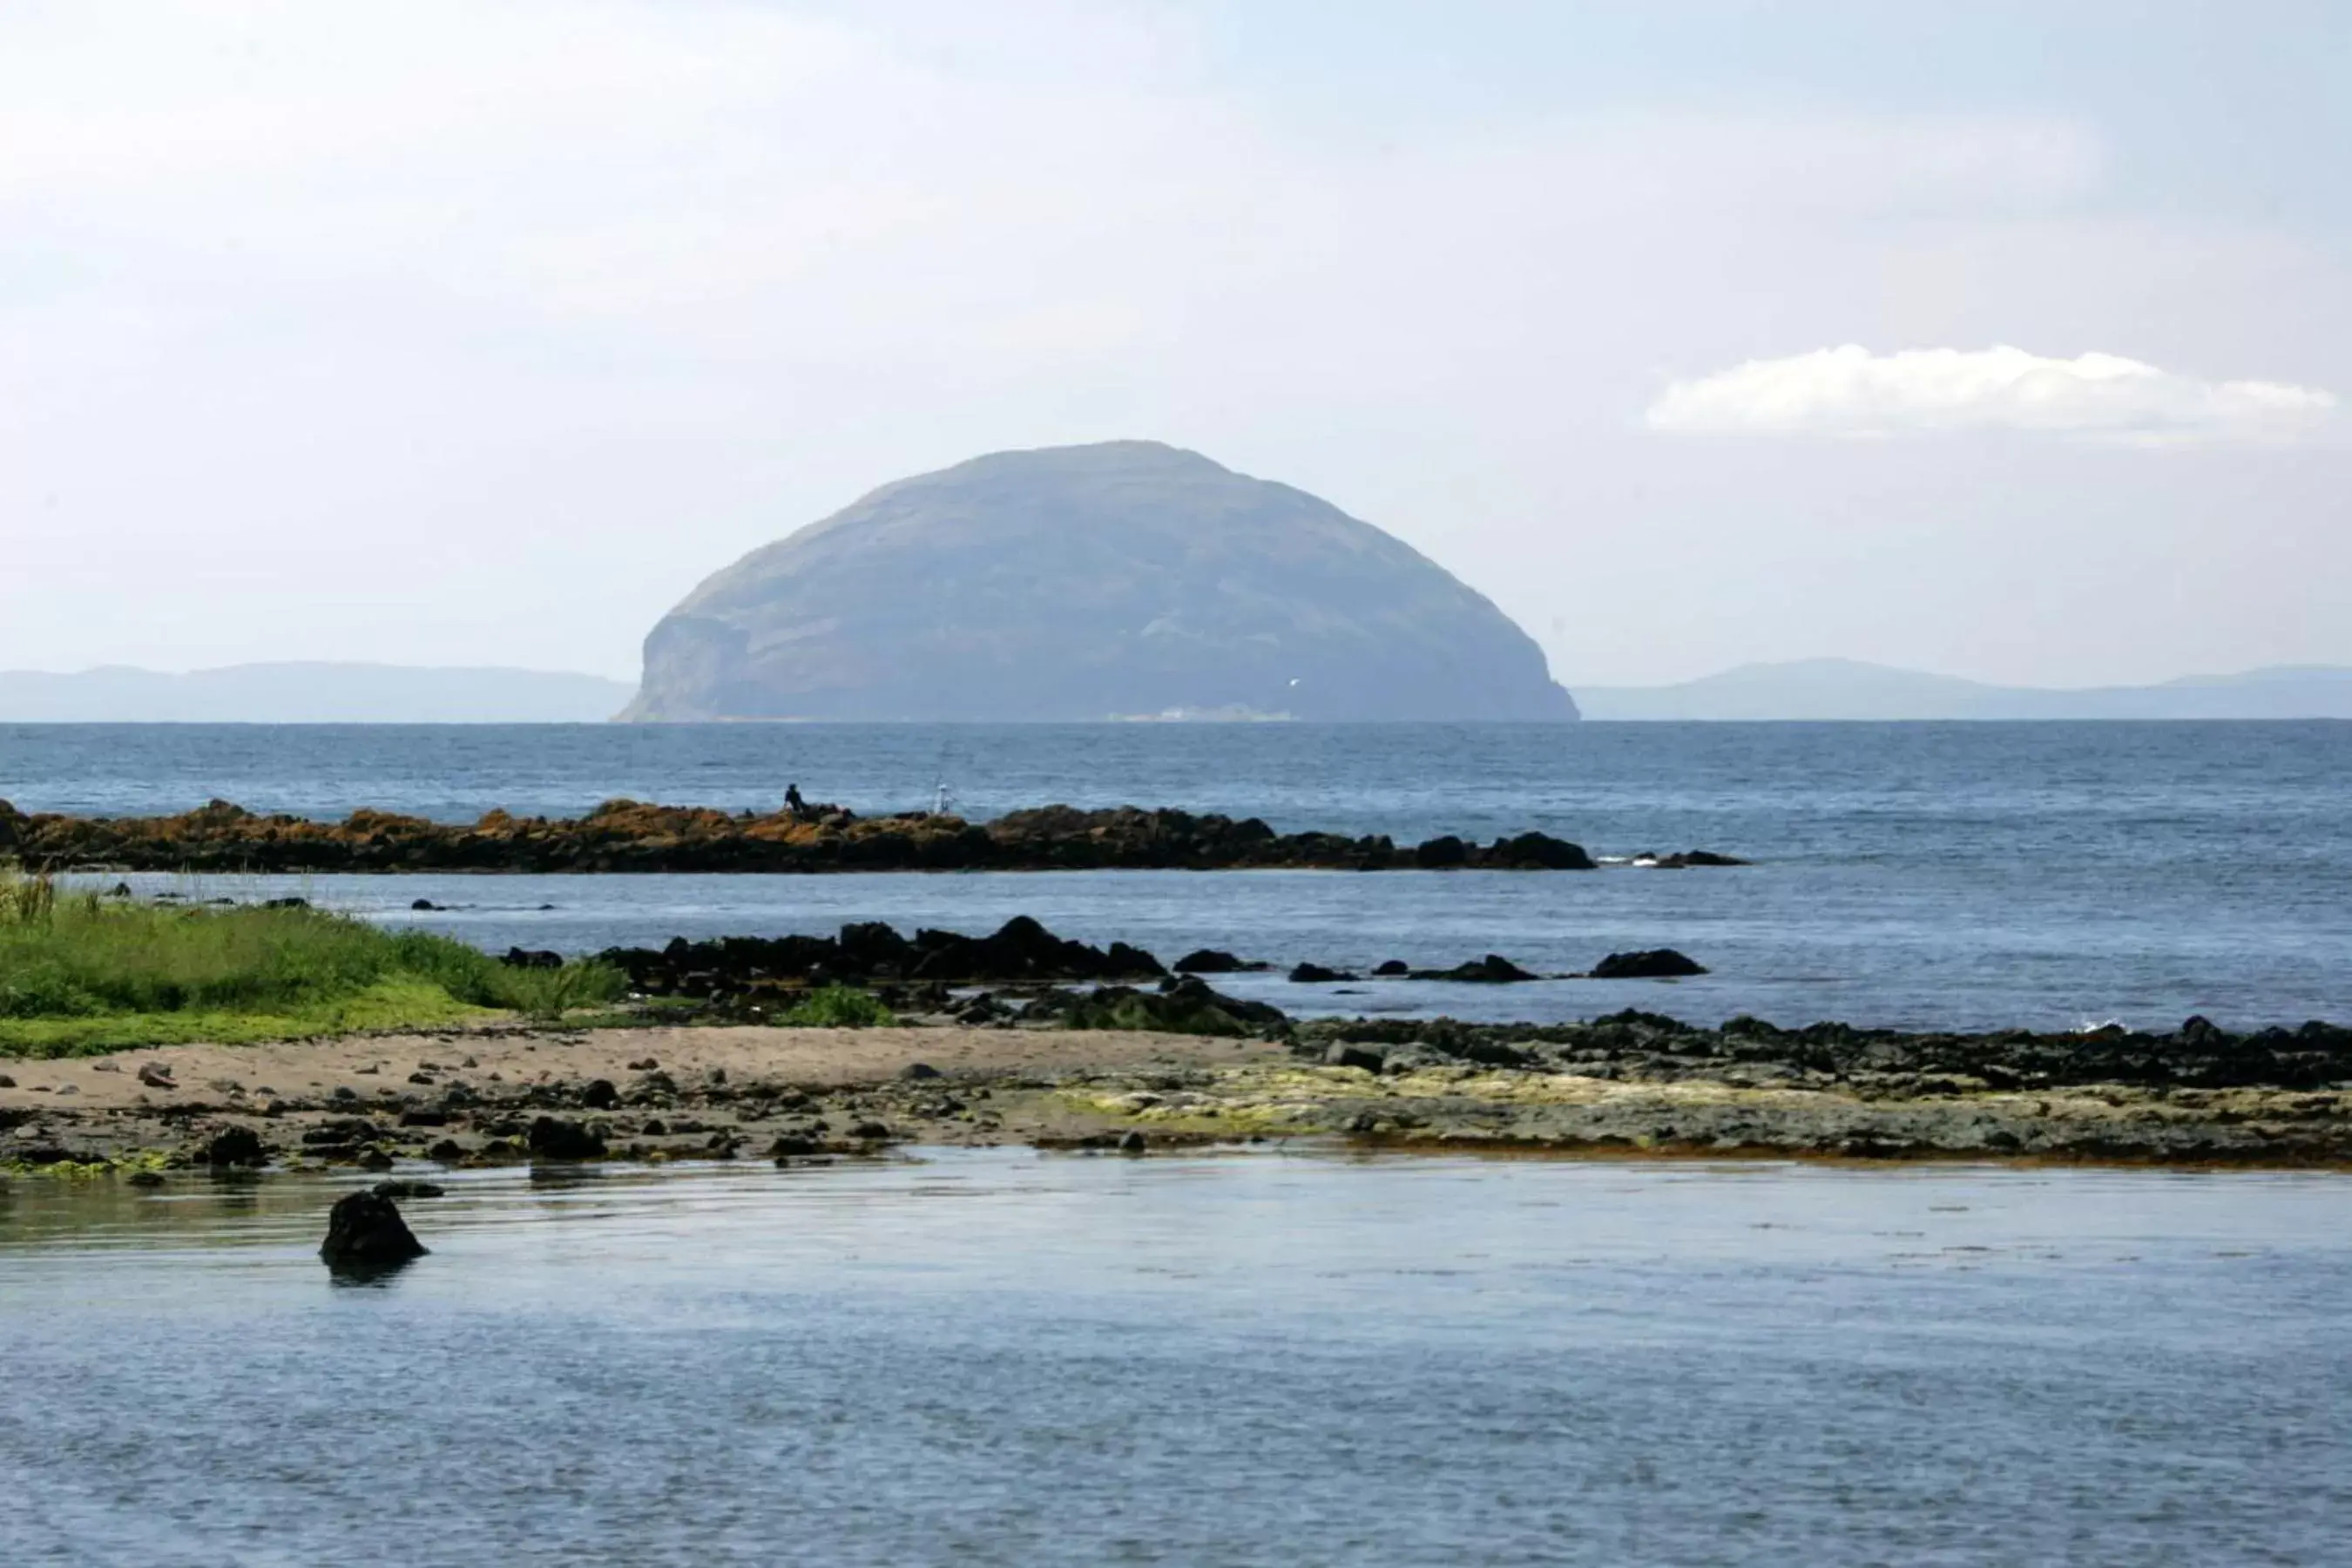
(794, 804)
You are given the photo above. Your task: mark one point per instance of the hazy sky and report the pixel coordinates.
(2009, 340)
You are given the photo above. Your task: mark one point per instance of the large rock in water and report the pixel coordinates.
(1085, 582)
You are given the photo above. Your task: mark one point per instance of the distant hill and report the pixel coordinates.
(1846, 688)
(1123, 579)
(310, 694)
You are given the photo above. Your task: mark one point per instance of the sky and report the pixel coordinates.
(2008, 340)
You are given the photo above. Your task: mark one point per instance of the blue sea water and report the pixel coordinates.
(998, 1358)
(1915, 875)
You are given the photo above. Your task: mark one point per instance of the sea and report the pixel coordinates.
(1216, 1361)
(1286, 1355)
(1930, 875)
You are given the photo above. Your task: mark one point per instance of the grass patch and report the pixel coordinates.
(837, 1007)
(82, 975)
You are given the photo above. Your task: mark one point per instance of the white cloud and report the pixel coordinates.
(1849, 391)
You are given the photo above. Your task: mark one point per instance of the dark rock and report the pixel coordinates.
(1392, 967)
(119, 891)
(1186, 1005)
(553, 1138)
(6, 1082)
(155, 1075)
(1698, 858)
(646, 1064)
(422, 906)
(600, 1095)
(1316, 974)
(918, 1071)
(1347, 1054)
(1441, 854)
(236, 1146)
(1652, 963)
(871, 1132)
(1211, 960)
(448, 1151)
(1539, 851)
(289, 903)
(524, 958)
(792, 1146)
(365, 1231)
(420, 1116)
(1492, 970)
(145, 1178)
(1134, 1142)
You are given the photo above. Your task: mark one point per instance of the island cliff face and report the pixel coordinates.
(1085, 583)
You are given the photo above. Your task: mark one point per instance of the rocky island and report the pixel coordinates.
(1127, 579)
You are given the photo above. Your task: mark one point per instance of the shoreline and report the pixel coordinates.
(415, 1102)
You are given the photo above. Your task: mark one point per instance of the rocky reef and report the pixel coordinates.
(1111, 1068)
(631, 836)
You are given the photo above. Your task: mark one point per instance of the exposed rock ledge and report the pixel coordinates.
(629, 836)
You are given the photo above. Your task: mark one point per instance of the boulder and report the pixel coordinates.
(365, 1231)
(1539, 851)
(236, 1146)
(1316, 974)
(551, 1138)
(1651, 963)
(1211, 960)
(1441, 854)
(1492, 970)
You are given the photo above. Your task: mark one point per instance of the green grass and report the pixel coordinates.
(80, 974)
(836, 1008)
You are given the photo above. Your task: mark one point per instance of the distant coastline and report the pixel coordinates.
(1846, 689)
(311, 692)
(1814, 691)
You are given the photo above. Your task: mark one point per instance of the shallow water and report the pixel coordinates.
(1923, 876)
(1003, 1358)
